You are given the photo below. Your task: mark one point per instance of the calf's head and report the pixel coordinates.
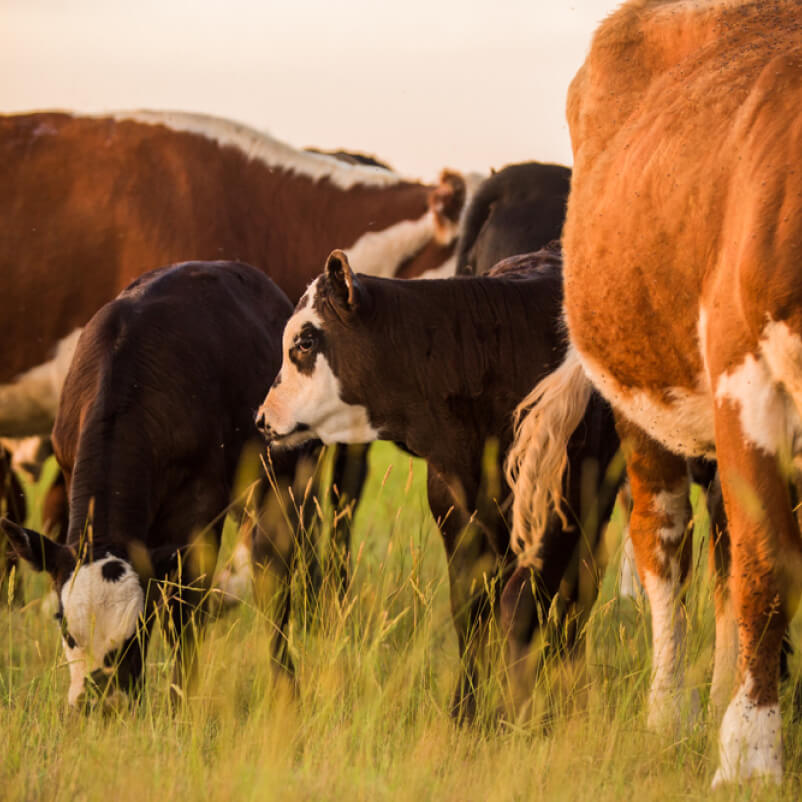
(321, 388)
(101, 603)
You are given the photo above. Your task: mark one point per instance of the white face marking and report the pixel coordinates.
(750, 741)
(100, 615)
(28, 404)
(261, 147)
(312, 399)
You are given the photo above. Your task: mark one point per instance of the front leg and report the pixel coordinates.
(187, 609)
(661, 542)
(474, 567)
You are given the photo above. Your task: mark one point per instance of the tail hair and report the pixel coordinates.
(543, 423)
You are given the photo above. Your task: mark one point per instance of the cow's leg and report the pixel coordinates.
(766, 550)
(348, 478)
(719, 560)
(188, 604)
(12, 505)
(661, 542)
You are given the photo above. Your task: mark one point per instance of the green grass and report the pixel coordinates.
(371, 719)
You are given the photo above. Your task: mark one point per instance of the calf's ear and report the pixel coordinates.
(41, 552)
(342, 281)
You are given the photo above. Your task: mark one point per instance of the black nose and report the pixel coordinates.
(263, 426)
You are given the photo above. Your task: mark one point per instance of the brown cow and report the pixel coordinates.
(156, 410)
(683, 298)
(439, 367)
(88, 203)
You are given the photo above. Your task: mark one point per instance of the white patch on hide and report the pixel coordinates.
(100, 615)
(28, 404)
(675, 507)
(261, 147)
(750, 741)
(313, 400)
(668, 641)
(684, 425)
(763, 407)
(381, 253)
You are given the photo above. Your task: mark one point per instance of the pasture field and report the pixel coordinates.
(370, 721)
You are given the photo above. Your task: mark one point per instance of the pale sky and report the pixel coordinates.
(423, 84)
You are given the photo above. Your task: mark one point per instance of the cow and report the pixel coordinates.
(517, 210)
(683, 301)
(156, 410)
(90, 202)
(438, 367)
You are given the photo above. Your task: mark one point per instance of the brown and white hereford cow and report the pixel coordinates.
(88, 203)
(439, 367)
(683, 299)
(157, 407)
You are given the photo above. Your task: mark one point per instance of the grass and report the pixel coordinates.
(370, 721)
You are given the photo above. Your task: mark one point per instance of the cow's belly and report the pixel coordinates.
(680, 417)
(28, 405)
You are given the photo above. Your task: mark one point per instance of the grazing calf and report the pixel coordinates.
(519, 209)
(683, 300)
(156, 409)
(439, 366)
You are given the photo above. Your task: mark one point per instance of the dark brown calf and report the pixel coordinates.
(439, 366)
(157, 407)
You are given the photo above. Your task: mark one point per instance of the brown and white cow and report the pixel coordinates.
(157, 407)
(439, 367)
(683, 299)
(88, 203)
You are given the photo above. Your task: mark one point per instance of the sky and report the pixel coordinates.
(423, 84)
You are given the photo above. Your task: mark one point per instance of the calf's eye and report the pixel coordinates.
(306, 344)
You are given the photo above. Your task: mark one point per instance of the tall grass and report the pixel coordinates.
(370, 719)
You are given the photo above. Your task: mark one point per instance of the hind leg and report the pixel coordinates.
(661, 543)
(766, 558)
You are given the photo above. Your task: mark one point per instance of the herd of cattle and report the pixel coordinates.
(675, 325)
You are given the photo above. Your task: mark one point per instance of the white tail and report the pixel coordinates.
(544, 422)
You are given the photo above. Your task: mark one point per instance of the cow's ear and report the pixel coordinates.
(40, 551)
(342, 281)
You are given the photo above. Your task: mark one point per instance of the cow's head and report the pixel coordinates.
(321, 344)
(101, 604)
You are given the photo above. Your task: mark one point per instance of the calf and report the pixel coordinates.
(156, 410)
(439, 367)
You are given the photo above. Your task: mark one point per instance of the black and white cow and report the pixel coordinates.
(157, 407)
(439, 367)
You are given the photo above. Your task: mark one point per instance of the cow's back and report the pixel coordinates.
(167, 376)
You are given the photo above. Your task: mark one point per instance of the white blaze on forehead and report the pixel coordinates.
(313, 399)
(101, 614)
